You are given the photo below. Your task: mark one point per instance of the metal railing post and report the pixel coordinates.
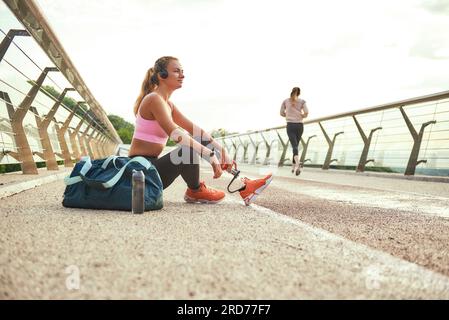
(60, 134)
(417, 139)
(99, 141)
(94, 142)
(47, 155)
(75, 154)
(25, 154)
(101, 146)
(245, 150)
(366, 144)
(63, 145)
(235, 150)
(90, 143)
(331, 144)
(268, 146)
(256, 147)
(76, 134)
(10, 108)
(85, 138)
(6, 42)
(111, 146)
(305, 146)
(284, 149)
(62, 141)
(228, 148)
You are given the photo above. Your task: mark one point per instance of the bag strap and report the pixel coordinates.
(141, 160)
(106, 162)
(86, 167)
(111, 182)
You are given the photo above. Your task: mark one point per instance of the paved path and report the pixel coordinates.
(321, 235)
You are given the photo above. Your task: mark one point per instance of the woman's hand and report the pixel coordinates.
(216, 166)
(226, 161)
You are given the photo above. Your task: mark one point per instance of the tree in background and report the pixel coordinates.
(124, 129)
(54, 94)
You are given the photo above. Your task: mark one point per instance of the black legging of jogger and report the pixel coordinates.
(186, 163)
(294, 132)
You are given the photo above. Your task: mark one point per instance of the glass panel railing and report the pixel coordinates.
(409, 137)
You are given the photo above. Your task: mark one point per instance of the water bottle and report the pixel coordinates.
(138, 192)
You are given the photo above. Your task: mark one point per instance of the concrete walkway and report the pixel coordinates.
(322, 235)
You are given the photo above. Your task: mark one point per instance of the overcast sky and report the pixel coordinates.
(241, 58)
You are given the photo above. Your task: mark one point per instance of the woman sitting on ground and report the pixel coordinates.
(157, 118)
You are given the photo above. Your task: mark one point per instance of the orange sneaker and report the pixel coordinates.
(253, 188)
(203, 195)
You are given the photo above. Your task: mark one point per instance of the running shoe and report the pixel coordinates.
(253, 188)
(203, 195)
(298, 171)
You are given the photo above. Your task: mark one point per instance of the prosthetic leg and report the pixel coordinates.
(251, 188)
(232, 169)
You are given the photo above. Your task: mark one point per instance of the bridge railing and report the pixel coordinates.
(47, 113)
(409, 136)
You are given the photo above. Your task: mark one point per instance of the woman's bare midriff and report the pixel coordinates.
(144, 148)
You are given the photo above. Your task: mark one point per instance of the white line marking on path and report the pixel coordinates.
(385, 264)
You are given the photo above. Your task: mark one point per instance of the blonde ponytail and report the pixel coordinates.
(147, 87)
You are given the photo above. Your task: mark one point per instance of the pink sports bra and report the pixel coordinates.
(149, 130)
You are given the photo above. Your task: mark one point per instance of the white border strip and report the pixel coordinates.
(15, 188)
(387, 261)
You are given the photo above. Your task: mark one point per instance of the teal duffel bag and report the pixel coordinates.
(107, 184)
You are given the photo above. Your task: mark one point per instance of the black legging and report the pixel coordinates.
(294, 132)
(182, 161)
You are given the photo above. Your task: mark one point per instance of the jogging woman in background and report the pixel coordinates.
(295, 110)
(157, 119)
